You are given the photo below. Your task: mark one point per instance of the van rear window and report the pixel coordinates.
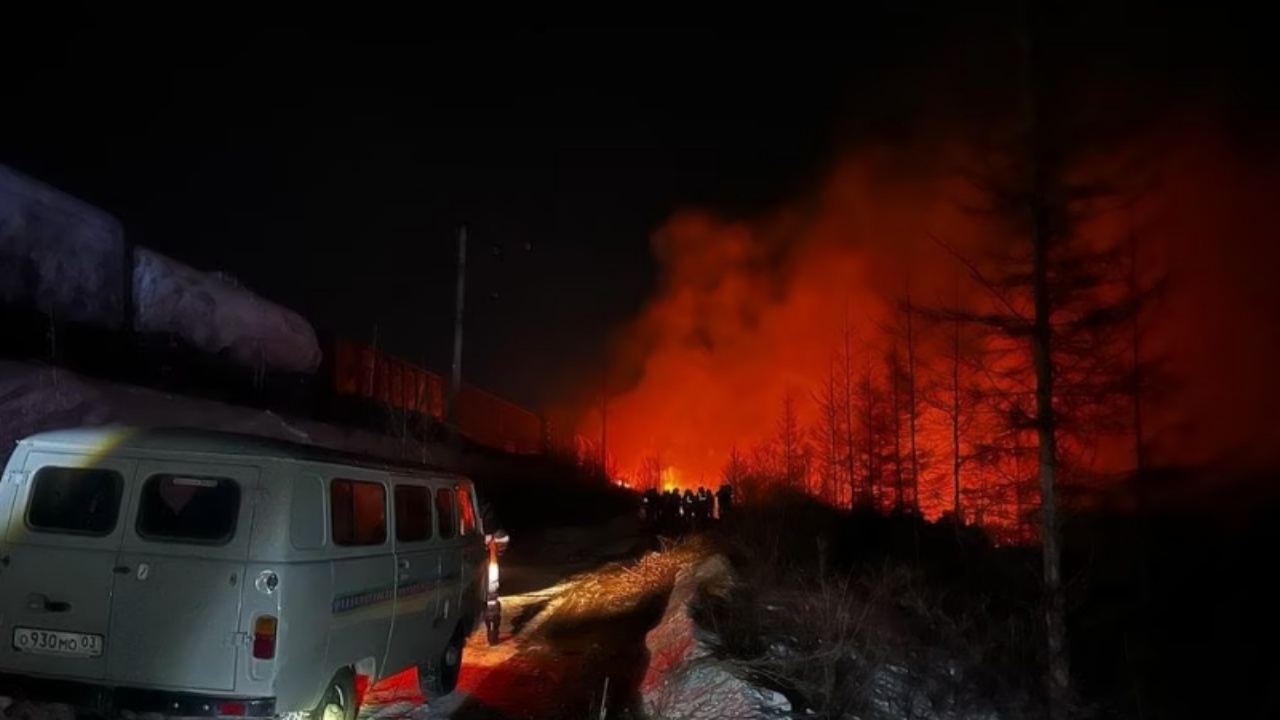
(183, 508)
(76, 501)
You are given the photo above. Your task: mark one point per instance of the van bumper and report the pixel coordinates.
(106, 699)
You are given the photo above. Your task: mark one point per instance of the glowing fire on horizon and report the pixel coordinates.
(750, 313)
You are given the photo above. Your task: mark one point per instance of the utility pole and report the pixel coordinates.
(455, 385)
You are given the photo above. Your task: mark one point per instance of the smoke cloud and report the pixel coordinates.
(750, 311)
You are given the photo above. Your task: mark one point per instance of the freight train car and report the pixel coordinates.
(73, 263)
(363, 371)
(492, 421)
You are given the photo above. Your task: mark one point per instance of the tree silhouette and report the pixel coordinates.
(954, 396)
(649, 476)
(829, 435)
(1056, 312)
(848, 409)
(790, 445)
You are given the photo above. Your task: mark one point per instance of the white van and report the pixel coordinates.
(200, 573)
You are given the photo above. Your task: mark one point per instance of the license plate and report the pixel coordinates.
(57, 642)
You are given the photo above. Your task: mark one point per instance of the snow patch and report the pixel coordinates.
(683, 681)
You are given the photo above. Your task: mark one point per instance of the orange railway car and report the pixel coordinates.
(361, 371)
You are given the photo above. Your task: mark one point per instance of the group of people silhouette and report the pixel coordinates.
(674, 511)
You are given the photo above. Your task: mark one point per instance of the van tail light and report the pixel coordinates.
(232, 709)
(264, 637)
(493, 576)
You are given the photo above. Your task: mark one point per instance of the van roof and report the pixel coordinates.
(214, 442)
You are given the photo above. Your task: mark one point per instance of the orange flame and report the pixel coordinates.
(751, 313)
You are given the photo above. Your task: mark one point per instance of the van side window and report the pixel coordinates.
(76, 501)
(357, 512)
(179, 508)
(413, 513)
(467, 524)
(445, 513)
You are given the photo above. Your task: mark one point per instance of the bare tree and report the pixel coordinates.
(894, 371)
(847, 384)
(913, 408)
(735, 468)
(649, 476)
(873, 408)
(955, 422)
(793, 452)
(904, 385)
(763, 469)
(955, 397)
(829, 434)
(1053, 319)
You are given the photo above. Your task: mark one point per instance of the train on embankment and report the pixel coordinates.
(77, 292)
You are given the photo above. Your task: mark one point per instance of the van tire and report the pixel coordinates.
(439, 677)
(492, 631)
(341, 692)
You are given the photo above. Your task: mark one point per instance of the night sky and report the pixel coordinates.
(330, 171)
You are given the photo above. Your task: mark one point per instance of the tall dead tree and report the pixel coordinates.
(829, 434)
(1038, 218)
(847, 384)
(649, 476)
(792, 453)
(906, 401)
(871, 430)
(1144, 379)
(913, 408)
(735, 468)
(895, 398)
(1054, 309)
(957, 459)
(947, 393)
(876, 425)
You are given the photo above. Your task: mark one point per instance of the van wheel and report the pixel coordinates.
(439, 677)
(339, 699)
(493, 631)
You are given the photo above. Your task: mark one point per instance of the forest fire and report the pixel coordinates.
(844, 344)
(733, 339)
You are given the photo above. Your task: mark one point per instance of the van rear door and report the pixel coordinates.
(175, 618)
(415, 636)
(56, 566)
(475, 555)
(450, 549)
